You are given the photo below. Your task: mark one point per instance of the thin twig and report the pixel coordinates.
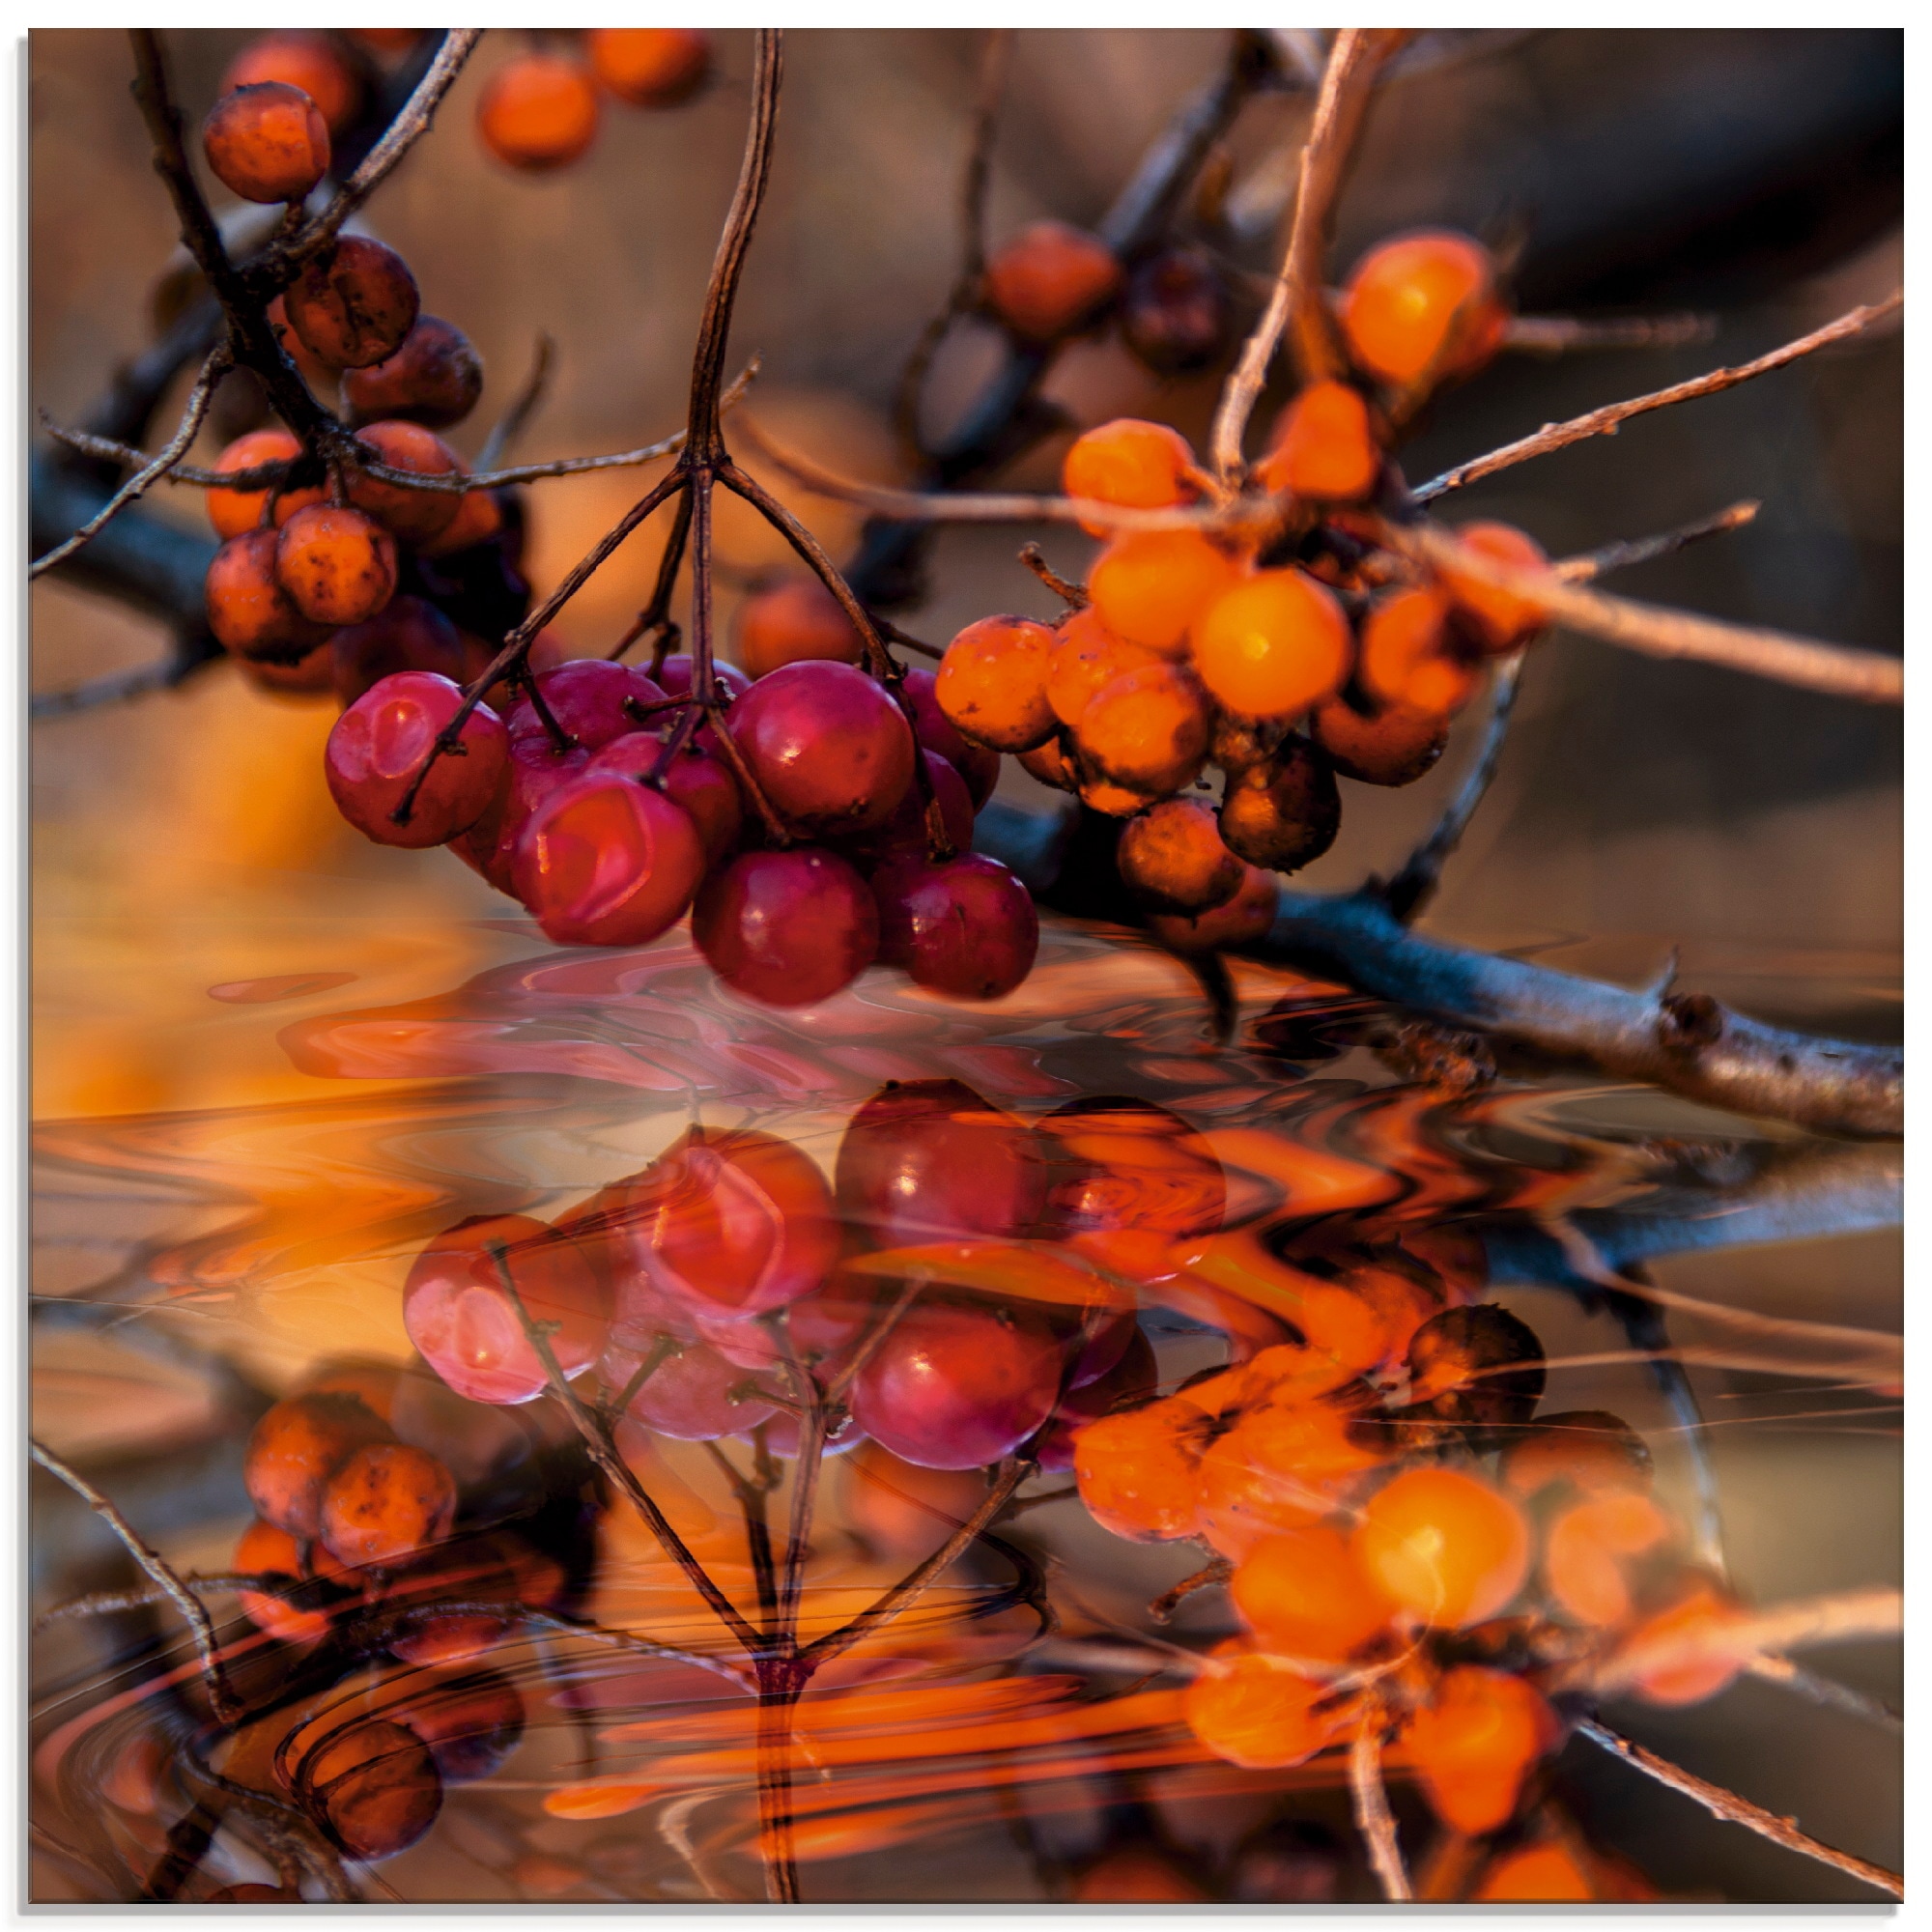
(112, 687)
(1373, 1817)
(522, 405)
(1735, 1810)
(1626, 554)
(227, 1707)
(1828, 1691)
(1354, 62)
(199, 398)
(1073, 595)
(1607, 421)
(1561, 334)
(1161, 1610)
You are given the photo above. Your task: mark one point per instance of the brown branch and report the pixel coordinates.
(199, 398)
(508, 426)
(1607, 422)
(227, 1707)
(113, 687)
(1073, 595)
(1370, 1800)
(1161, 1610)
(1735, 1810)
(1297, 301)
(1561, 334)
(1625, 555)
(1827, 1692)
(1837, 671)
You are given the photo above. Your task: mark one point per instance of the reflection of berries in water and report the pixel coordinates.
(374, 1787)
(1587, 1447)
(1474, 1744)
(265, 1551)
(1478, 1369)
(1446, 1547)
(470, 1724)
(1141, 1179)
(1303, 1594)
(386, 1504)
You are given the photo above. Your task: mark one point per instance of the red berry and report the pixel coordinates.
(967, 928)
(674, 678)
(976, 764)
(954, 1386)
(534, 770)
(464, 1325)
(786, 928)
(433, 378)
(379, 743)
(903, 836)
(689, 1395)
(267, 142)
(587, 698)
(353, 305)
(408, 633)
(695, 781)
(607, 861)
(828, 745)
(926, 1160)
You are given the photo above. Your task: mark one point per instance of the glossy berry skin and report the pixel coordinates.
(1258, 1712)
(991, 684)
(295, 1447)
(433, 377)
(956, 1387)
(354, 305)
(1242, 921)
(267, 142)
(731, 1225)
(650, 66)
(338, 565)
(700, 784)
(687, 1396)
(588, 697)
(1086, 658)
(1395, 747)
(472, 1724)
(1409, 656)
(977, 766)
(1150, 587)
(792, 622)
(248, 610)
(786, 928)
(379, 743)
(1325, 447)
(235, 513)
(1147, 730)
(966, 926)
(1496, 619)
(1448, 1549)
(931, 1161)
(1132, 1380)
(1273, 645)
(1130, 464)
(1050, 280)
(304, 60)
(386, 1504)
(464, 1325)
(533, 771)
(905, 834)
(829, 747)
(1302, 1592)
(408, 633)
(411, 516)
(674, 677)
(1283, 814)
(538, 113)
(375, 1788)
(1423, 307)
(1173, 861)
(604, 861)
(1473, 1744)
(1176, 314)
(265, 1551)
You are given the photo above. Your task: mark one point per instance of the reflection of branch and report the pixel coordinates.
(1607, 421)
(1735, 1810)
(227, 1707)
(1373, 1817)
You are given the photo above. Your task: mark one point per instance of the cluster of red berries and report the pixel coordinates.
(1272, 654)
(540, 110)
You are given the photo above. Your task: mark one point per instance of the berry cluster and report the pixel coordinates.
(540, 110)
(1281, 650)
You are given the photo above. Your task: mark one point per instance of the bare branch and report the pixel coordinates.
(1073, 595)
(1828, 1691)
(522, 405)
(115, 686)
(1735, 1810)
(1837, 671)
(1355, 61)
(1559, 335)
(1625, 555)
(226, 1706)
(1607, 421)
(1373, 1817)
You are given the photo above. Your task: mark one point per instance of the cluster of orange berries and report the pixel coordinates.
(1273, 654)
(1407, 1550)
(540, 110)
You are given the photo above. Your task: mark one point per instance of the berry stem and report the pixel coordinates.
(1373, 1817)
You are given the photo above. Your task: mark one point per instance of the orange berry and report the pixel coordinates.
(1497, 620)
(353, 305)
(1586, 1552)
(1395, 747)
(338, 565)
(310, 676)
(1324, 448)
(267, 142)
(650, 66)
(295, 1447)
(992, 684)
(386, 1504)
(1086, 658)
(1543, 1874)
(1424, 306)
(1408, 657)
(1240, 922)
(1149, 586)
(1172, 859)
(538, 113)
(1134, 464)
(1258, 1712)
(1283, 814)
(1051, 766)
(1282, 1466)
(1302, 1592)
(1446, 1547)
(375, 1787)
(1147, 729)
(248, 610)
(265, 1551)
(790, 622)
(1050, 279)
(1272, 646)
(1474, 1743)
(1116, 801)
(1137, 1875)
(304, 60)
(234, 513)
(413, 517)
(1137, 1470)
(479, 516)
(1702, 1613)
(1596, 1451)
